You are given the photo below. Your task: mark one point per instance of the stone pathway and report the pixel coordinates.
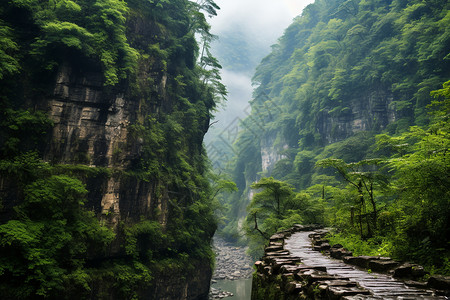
(381, 286)
(232, 263)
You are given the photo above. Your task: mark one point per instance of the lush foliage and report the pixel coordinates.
(340, 63)
(94, 29)
(334, 106)
(270, 210)
(413, 223)
(51, 244)
(397, 205)
(45, 247)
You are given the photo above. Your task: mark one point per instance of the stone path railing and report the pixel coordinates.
(293, 268)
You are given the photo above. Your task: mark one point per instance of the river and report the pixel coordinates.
(240, 288)
(233, 272)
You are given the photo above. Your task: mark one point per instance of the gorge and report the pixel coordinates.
(106, 187)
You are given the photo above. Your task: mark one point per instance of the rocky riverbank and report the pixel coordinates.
(232, 263)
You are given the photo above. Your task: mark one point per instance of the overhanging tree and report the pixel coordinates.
(271, 203)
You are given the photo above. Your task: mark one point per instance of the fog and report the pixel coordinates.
(262, 19)
(257, 24)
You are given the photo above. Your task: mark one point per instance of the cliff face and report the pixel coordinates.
(337, 72)
(91, 128)
(127, 119)
(343, 72)
(269, 153)
(369, 111)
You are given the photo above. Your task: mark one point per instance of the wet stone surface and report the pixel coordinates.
(308, 272)
(371, 285)
(219, 294)
(232, 263)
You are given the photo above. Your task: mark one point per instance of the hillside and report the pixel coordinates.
(342, 74)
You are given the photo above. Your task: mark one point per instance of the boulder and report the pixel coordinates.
(339, 253)
(275, 243)
(416, 284)
(267, 271)
(259, 265)
(337, 292)
(324, 246)
(321, 241)
(439, 282)
(418, 271)
(278, 236)
(408, 270)
(360, 261)
(311, 276)
(293, 287)
(287, 269)
(302, 268)
(311, 227)
(382, 265)
(278, 263)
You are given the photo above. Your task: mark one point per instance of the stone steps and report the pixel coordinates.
(302, 273)
(378, 285)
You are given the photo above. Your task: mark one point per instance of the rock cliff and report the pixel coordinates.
(92, 128)
(134, 141)
(334, 75)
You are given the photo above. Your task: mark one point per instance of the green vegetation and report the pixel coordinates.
(351, 106)
(54, 238)
(413, 222)
(397, 205)
(45, 246)
(271, 209)
(95, 29)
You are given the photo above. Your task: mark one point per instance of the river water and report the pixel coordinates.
(233, 272)
(240, 288)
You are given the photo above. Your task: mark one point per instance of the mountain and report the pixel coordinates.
(104, 107)
(343, 72)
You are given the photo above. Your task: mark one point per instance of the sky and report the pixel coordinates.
(262, 22)
(266, 19)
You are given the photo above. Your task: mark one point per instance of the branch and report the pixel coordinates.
(346, 178)
(257, 229)
(212, 123)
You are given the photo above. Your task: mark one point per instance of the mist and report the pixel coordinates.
(246, 29)
(264, 20)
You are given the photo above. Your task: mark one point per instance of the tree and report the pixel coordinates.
(8, 64)
(363, 180)
(43, 252)
(273, 201)
(271, 209)
(422, 185)
(221, 186)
